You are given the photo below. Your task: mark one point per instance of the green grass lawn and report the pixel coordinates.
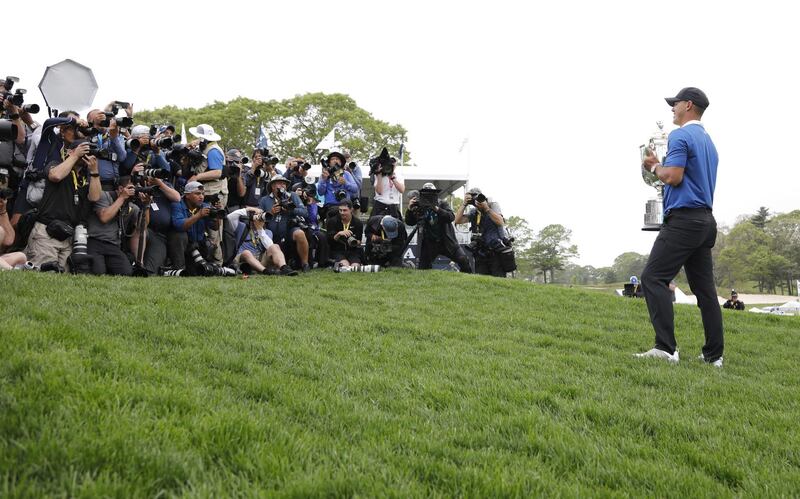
(422, 384)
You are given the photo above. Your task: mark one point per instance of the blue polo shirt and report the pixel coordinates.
(691, 147)
(180, 212)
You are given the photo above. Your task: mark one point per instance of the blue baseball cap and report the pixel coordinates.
(390, 226)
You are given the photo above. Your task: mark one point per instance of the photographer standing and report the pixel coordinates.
(335, 184)
(104, 133)
(434, 219)
(344, 236)
(689, 230)
(389, 186)
(285, 207)
(70, 184)
(489, 237)
(112, 221)
(257, 177)
(386, 238)
(235, 163)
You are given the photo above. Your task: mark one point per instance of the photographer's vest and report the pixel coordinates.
(213, 186)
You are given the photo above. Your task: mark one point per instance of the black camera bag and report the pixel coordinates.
(59, 230)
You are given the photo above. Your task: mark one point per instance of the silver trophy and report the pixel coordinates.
(654, 208)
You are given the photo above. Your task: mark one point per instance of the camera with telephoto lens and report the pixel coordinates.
(156, 173)
(266, 157)
(479, 198)
(94, 150)
(80, 261)
(340, 195)
(149, 189)
(353, 242)
(218, 213)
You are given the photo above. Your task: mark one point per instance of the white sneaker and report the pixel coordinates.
(716, 363)
(659, 354)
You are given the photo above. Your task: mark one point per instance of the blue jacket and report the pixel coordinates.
(279, 225)
(328, 188)
(110, 169)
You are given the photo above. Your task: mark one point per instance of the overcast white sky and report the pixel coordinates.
(555, 97)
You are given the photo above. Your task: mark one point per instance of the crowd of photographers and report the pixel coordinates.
(99, 194)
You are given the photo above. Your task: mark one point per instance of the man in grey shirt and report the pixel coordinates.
(112, 222)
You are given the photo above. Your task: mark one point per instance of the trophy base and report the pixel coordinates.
(651, 227)
(653, 215)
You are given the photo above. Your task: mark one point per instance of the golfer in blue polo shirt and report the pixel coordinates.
(689, 231)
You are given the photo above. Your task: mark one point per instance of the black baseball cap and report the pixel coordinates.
(697, 96)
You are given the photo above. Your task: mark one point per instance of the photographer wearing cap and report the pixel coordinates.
(344, 236)
(335, 184)
(103, 132)
(489, 240)
(112, 223)
(73, 181)
(689, 230)
(734, 302)
(285, 210)
(386, 238)
(236, 164)
(434, 219)
(389, 186)
(255, 248)
(192, 220)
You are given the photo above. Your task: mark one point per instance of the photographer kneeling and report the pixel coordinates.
(111, 222)
(386, 238)
(255, 248)
(286, 213)
(434, 219)
(344, 237)
(192, 219)
(490, 246)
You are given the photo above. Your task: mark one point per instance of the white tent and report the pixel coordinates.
(788, 308)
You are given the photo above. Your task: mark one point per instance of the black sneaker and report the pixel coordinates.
(287, 270)
(306, 268)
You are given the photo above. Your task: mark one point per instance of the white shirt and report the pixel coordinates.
(390, 193)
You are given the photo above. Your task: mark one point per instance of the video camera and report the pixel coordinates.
(428, 199)
(18, 97)
(383, 164)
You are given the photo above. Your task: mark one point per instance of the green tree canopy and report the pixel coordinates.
(550, 250)
(294, 126)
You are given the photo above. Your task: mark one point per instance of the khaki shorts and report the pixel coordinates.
(42, 248)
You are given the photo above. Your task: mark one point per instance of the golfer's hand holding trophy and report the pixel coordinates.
(654, 208)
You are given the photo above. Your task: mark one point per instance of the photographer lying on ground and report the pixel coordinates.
(434, 219)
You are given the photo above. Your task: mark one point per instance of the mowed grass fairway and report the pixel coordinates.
(399, 383)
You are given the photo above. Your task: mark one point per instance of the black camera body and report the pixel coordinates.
(340, 195)
(480, 198)
(94, 150)
(218, 213)
(428, 199)
(383, 164)
(284, 200)
(381, 249)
